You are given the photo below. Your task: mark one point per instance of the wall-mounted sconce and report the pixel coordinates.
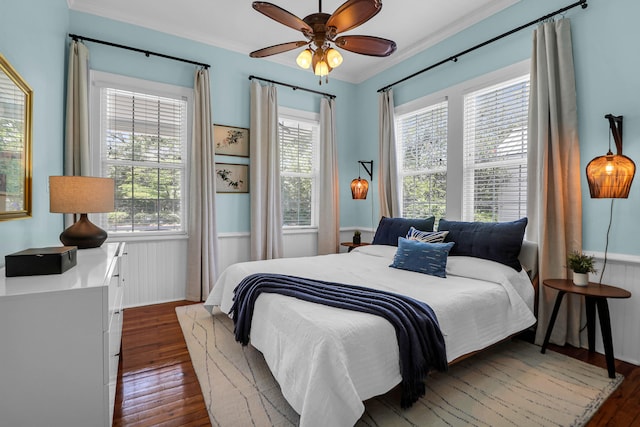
(611, 175)
(359, 186)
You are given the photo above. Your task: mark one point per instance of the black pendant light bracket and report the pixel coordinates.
(615, 123)
(368, 169)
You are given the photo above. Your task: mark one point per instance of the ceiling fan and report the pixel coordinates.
(321, 31)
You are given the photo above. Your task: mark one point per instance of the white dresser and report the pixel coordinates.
(60, 343)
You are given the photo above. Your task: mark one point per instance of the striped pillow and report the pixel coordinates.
(426, 236)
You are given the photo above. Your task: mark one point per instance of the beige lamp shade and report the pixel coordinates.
(81, 194)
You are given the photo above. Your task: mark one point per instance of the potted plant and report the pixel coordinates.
(356, 237)
(581, 265)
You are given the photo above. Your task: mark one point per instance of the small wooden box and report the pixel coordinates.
(39, 261)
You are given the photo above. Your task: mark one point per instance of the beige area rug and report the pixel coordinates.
(510, 385)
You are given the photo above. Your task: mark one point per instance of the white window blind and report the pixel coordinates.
(422, 158)
(143, 141)
(299, 141)
(495, 152)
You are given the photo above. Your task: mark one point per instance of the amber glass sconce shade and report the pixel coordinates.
(359, 186)
(610, 176)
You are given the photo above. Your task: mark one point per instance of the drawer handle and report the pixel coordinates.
(116, 275)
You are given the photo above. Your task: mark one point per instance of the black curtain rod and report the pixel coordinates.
(292, 86)
(454, 58)
(135, 49)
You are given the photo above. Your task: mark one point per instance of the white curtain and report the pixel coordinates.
(202, 266)
(388, 182)
(77, 159)
(329, 220)
(266, 212)
(554, 194)
(76, 148)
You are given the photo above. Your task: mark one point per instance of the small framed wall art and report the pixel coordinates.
(231, 141)
(231, 178)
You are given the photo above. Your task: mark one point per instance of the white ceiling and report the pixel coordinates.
(413, 24)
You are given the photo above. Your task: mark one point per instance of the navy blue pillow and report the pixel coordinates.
(390, 229)
(421, 257)
(495, 241)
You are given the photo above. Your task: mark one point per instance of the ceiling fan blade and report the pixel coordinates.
(366, 45)
(282, 16)
(278, 48)
(353, 13)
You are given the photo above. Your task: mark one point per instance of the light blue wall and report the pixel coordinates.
(229, 86)
(32, 39)
(605, 45)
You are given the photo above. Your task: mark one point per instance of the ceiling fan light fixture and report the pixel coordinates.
(322, 69)
(320, 30)
(304, 59)
(333, 57)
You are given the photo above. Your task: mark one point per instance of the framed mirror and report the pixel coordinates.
(15, 143)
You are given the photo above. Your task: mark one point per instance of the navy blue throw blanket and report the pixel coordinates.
(420, 340)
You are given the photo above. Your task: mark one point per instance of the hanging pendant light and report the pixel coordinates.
(611, 175)
(359, 186)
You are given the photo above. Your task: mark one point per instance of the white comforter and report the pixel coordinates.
(328, 360)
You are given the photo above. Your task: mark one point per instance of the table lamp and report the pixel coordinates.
(81, 195)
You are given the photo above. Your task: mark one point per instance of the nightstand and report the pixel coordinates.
(595, 295)
(352, 245)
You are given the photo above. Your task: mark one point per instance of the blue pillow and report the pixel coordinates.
(495, 241)
(421, 257)
(390, 229)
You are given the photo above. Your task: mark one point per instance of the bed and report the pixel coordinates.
(329, 360)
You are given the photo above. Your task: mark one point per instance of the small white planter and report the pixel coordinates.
(580, 279)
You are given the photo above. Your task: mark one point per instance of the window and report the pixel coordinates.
(422, 157)
(142, 132)
(495, 152)
(462, 152)
(299, 134)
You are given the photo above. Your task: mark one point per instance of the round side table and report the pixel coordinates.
(595, 295)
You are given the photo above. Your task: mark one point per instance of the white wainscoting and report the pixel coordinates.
(622, 271)
(156, 271)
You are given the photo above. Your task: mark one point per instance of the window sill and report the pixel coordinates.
(146, 237)
(300, 230)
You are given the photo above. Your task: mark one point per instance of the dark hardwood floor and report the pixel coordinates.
(157, 385)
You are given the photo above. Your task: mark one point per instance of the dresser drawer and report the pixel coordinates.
(112, 340)
(115, 290)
